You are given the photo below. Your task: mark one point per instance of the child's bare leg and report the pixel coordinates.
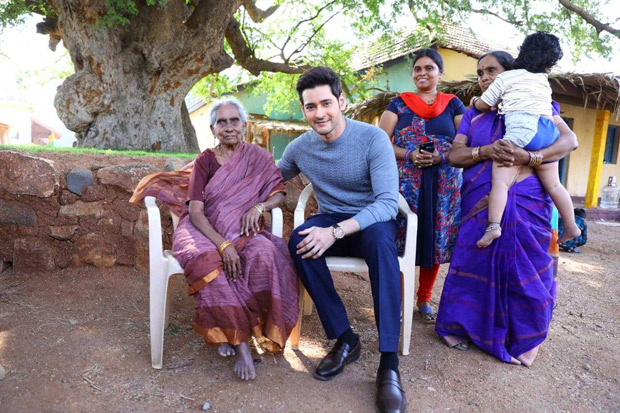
(503, 177)
(548, 175)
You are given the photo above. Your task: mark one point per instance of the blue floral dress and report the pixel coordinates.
(432, 193)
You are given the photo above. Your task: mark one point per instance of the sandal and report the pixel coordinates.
(428, 314)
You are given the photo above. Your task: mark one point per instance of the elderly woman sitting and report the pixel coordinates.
(240, 275)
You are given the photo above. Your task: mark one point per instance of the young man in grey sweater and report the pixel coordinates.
(353, 171)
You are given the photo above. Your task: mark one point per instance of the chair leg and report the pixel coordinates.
(297, 329)
(409, 285)
(168, 297)
(307, 303)
(157, 308)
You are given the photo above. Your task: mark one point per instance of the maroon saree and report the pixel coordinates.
(263, 302)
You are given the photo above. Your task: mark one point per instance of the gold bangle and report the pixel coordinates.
(224, 245)
(475, 153)
(536, 158)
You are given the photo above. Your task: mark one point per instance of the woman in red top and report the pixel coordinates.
(423, 125)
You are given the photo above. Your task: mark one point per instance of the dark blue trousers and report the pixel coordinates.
(377, 245)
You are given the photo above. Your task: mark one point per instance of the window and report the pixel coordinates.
(611, 146)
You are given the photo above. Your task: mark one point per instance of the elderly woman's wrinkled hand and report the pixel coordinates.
(251, 222)
(231, 263)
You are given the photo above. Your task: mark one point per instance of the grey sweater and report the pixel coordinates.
(355, 174)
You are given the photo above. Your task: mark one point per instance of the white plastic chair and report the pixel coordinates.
(350, 264)
(163, 265)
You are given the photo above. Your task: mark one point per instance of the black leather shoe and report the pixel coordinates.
(339, 356)
(390, 394)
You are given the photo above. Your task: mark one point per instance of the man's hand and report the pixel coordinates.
(317, 241)
(231, 263)
(250, 222)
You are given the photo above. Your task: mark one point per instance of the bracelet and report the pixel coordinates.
(260, 208)
(474, 100)
(475, 153)
(407, 159)
(536, 158)
(224, 245)
(443, 158)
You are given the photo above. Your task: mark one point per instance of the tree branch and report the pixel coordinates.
(200, 13)
(477, 11)
(299, 23)
(246, 57)
(314, 33)
(257, 15)
(599, 26)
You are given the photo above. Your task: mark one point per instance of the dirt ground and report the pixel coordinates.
(77, 340)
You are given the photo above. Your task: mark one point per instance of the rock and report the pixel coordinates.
(67, 197)
(63, 233)
(32, 254)
(125, 176)
(94, 192)
(126, 210)
(2, 372)
(174, 164)
(73, 321)
(17, 213)
(111, 223)
(292, 196)
(126, 228)
(94, 250)
(206, 406)
(80, 208)
(27, 175)
(79, 179)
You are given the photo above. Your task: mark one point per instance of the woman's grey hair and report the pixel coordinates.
(243, 115)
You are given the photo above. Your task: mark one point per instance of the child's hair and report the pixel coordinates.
(539, 52)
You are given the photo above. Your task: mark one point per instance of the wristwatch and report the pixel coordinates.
(337, 232)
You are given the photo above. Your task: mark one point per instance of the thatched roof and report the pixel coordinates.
(409, 41)
(596, 91)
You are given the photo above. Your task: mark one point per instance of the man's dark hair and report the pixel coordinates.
(504, 59)
(430, 53)
(319, 76)
(539, 52)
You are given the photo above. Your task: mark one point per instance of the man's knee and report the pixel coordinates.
(380, 235)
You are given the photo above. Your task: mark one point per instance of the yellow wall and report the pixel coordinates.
(201, 123)
(584, 121)
(457, 66)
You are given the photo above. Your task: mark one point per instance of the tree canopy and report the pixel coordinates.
(170, 46)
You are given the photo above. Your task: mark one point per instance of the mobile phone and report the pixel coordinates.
(427, 147)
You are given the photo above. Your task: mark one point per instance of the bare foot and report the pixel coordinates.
(570, 232)
(515, 361)
(226, 350)
(244, 364)
(488, 237)
(528, 358)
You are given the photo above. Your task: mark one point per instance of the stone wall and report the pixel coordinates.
(74, 210)
(63, 209)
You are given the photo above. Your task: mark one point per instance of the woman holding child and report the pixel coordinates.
(423, 125)
(501, 297)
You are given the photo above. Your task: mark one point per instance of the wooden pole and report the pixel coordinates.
(596, 159)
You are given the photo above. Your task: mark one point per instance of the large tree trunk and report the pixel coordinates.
(130, 82)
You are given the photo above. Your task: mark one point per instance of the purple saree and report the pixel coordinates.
(501, 297)
(264, 300)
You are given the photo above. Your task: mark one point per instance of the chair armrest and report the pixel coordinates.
(155, 242)
(411, 237)
(277, 222)
(300, 210)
